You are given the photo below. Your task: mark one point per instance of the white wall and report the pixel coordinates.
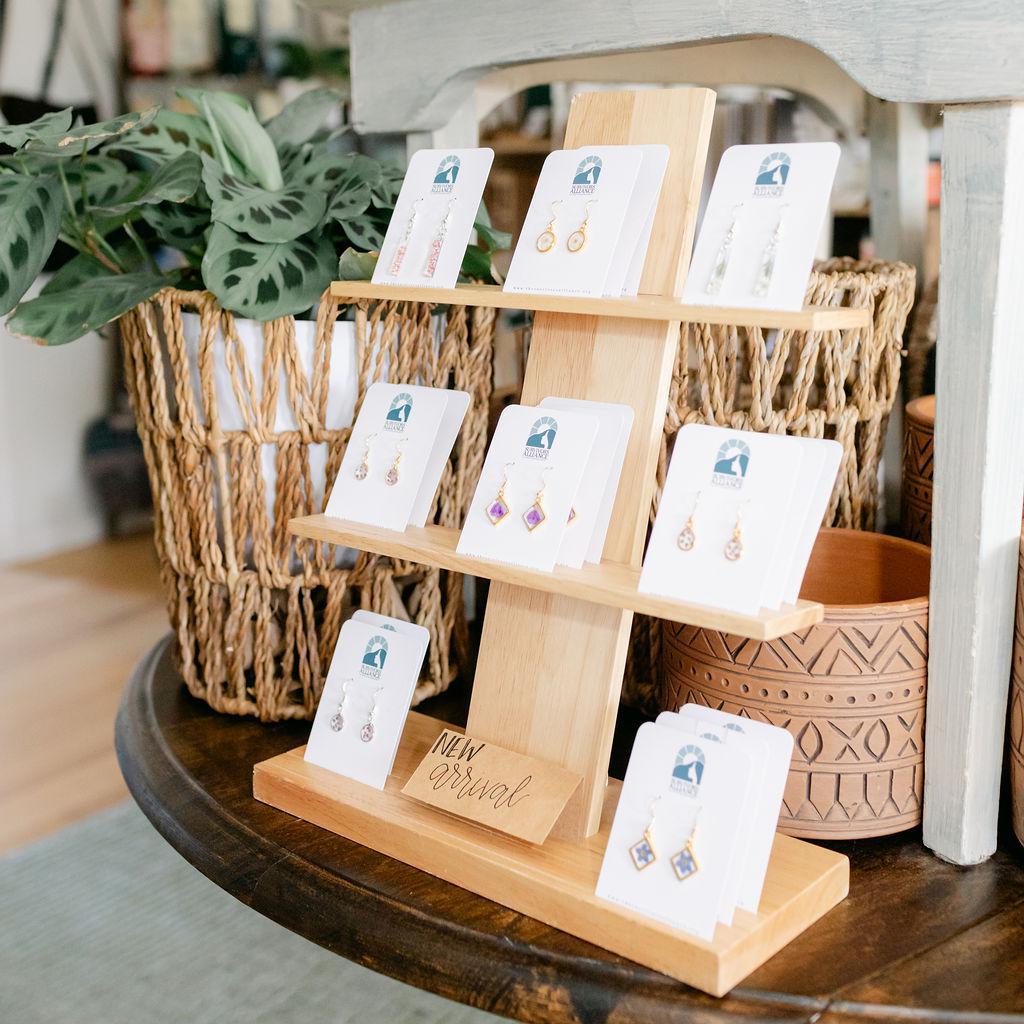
(47, 397)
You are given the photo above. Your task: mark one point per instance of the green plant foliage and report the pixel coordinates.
(53, 123)
(167, 136)
(301, 119)
(55, 318)
(231, 119)
(266, 281)
(257, 213)
(173, 182)
(265, 216)
(73, 143)
(30, 210)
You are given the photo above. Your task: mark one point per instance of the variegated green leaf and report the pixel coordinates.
(263, 215)
(30, 212)
(173, 182)
(231, 119)
(167, 136)
(89, 136)
(364, 233)
(57, 317)
(179, 225)
(265, 280)
(53, 123)
(356, 266)
(385, 192)
(105, 180)
(303, 117)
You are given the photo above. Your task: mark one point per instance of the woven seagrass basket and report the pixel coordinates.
(838, 384)
(240, 435)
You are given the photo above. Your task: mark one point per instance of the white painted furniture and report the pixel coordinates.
(422, 68)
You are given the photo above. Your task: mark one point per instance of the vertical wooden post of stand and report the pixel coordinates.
(550, 669)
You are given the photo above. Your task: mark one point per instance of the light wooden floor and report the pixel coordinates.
(71, 629)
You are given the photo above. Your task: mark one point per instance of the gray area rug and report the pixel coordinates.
(104, 923)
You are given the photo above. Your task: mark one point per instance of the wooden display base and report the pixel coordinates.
(609, 583)
(554, 882)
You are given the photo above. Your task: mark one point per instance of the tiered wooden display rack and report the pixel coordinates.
(553, 648)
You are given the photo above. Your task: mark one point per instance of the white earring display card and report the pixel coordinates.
(762, 226)
(366, 699)
(430, 229)
(686, 794)
(771, 785)
(393, 462)
(584, 540)
(628, 261)
(420, 634)
(575, 220)
(726, 500)
(528, 486)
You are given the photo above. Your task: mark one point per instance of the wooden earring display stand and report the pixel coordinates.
(553, 648)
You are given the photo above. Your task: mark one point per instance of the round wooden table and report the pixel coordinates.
(916, 938)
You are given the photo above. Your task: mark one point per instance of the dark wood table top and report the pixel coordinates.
(917, 939)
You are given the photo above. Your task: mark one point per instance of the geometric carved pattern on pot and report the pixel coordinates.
(918, 460)
(850, 690)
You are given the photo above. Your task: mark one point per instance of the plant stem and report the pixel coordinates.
(96, 243)
(147, 259)
(67, 195)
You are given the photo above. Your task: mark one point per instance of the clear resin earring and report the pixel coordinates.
(547, 239)
(535, 514)
(721, 264)
(337, 720)
(363, 469)
(391, 477)
(499, 509)
(734, 546)
(766, 270)
(403, 246)
(578, 239)
(644, 853)
(367, 732)
(437, 243)
(687, 538)
(685, 863)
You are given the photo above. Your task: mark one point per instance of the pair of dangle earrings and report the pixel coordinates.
(499, 508)
(548, 239)
(436, 243)
(766, 268)
(644, 852)
(391, 477)
(337, 720)
(687, 539)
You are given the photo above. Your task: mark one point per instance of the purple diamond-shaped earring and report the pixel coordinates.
(535, 514)
(498, 509)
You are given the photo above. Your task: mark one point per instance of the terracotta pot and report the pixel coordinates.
(851, 689)
(918, 461)
(1017, 704)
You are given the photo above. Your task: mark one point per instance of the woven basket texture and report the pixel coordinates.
(257, 612)
(837, 384)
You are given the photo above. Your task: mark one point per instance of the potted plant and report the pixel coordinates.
(212, 238)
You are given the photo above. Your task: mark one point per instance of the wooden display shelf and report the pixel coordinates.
(643, 307)
(555, 882)
(609, 583)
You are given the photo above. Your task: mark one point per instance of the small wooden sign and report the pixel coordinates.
(492, 786)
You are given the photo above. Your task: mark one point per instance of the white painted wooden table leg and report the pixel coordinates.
(979, 475)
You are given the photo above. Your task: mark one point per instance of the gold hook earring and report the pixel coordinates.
(547, 239)
(687, 538)
(499, 509)
(734, 546)
(578, 239)
(363, 469)
(644, 853)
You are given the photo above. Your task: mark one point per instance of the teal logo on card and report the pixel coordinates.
(731, 464)
(374, 657)
(587, 175)
(447, 174)
(541, 439)
(772, 175)
(399, 413)
(688, 770)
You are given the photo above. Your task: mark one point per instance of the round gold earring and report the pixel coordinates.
(577, 241)
(547, 239)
